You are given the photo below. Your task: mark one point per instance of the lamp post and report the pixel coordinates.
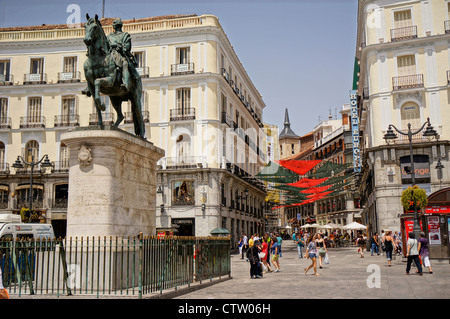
(429, 132)
(19, 163)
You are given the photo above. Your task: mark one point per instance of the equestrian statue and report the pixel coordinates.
(111, 69)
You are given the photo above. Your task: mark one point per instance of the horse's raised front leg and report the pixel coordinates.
(98, 83)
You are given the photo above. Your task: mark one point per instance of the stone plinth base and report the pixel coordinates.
(112, 183)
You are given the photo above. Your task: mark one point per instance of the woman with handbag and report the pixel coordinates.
(322, 248)
(312, 255)
(389, 243)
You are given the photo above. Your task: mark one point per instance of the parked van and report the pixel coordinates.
(11, 227)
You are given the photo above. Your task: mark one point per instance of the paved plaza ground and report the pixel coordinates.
(346, 277)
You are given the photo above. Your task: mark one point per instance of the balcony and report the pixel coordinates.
(407, 82)
(448, 77)
(107, 118)
(32, 122)
(5, 123)
(67, 120)
(4, 168)
(184, 162)
(144, 72)
(60, 167)
(180, 69)
(405, 33)
(129, 117)
(447, 26)
(35, 78)
(69, 77)
(182, 114)
(6, 79)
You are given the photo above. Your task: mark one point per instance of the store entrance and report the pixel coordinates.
(186, 226)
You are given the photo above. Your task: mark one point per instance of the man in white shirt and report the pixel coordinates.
(412, 252)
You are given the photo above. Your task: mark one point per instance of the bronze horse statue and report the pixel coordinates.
(104, 75)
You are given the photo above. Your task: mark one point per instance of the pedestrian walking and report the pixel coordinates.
(253, 257)
(300, 244)
(244, 246)
(361, 243)
(280, 241)
(264, 254)
(240, 245)
(412, 253)
(389, 244)
(423, 253)
(275, 250)
(374, 244)
(321, 247)
(311, 253)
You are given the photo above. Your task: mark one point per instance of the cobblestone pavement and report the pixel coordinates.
(346, 277)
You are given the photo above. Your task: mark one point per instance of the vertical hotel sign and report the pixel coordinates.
(355, 131)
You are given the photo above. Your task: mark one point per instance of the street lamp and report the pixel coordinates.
(19, 164)
(429, 132)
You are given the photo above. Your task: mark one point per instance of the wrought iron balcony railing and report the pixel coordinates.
(6, 79)
(5, 122)
(407, 82)
(182, 68)
(182, 114)
(405, 33)
(32, 122)
(35, 78)
(67, 120)
(108, 118)
(129, 117)
(69, 77)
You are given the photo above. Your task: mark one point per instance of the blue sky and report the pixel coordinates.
(298, 53)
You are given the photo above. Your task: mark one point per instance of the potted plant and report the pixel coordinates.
(414, 197)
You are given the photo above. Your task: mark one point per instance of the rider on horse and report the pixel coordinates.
(120, 43)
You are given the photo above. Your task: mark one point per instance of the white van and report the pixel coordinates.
(11, 227)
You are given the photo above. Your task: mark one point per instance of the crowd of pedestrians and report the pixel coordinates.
(264, 253)
(390, 244)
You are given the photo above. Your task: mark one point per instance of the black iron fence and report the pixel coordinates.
(111, 266)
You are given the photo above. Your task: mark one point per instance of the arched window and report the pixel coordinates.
(183, 147)
(410, 113)
(31, 151)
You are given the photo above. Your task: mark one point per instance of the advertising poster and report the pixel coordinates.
(434, 231)
(409, 226)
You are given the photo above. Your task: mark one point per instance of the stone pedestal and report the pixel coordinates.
(112, 183)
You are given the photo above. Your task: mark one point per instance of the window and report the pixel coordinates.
(183, 193)
(184, 100)
(31, 151)
(4, 120)
(2, 156)
(69, 110)
(183, 55)
(70, 64)
(406, 65)
(5, 75)
(139, 57)
(183, 147)
(37, 66)
(410, 113)
(63, 156)
(61, 195)
(34, 112)
(402, 19)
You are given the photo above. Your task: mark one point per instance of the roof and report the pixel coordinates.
(103, 21)
(287, 132)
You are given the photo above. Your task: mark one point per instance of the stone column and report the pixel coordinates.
(112, 183)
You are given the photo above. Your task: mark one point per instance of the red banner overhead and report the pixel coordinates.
(307, 182)
(299, 167)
